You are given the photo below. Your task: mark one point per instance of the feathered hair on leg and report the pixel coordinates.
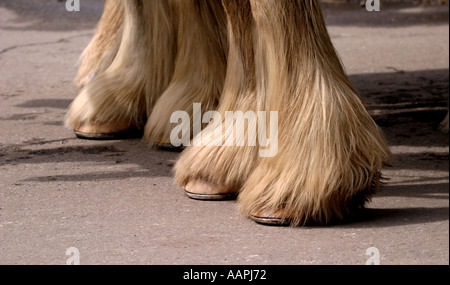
(200, 66)
(227, 167)
(127, 90)
(331, 152)
(102, 49)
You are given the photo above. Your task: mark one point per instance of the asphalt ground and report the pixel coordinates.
(116, 203)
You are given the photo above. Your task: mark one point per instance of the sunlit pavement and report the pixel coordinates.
(116, 203)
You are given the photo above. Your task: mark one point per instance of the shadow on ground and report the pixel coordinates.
(52, 15)
(408, 106)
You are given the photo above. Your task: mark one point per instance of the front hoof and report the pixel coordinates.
(271, 219)
(204, 191)
(109, 131)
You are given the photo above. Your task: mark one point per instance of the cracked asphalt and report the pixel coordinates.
(116, 201)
